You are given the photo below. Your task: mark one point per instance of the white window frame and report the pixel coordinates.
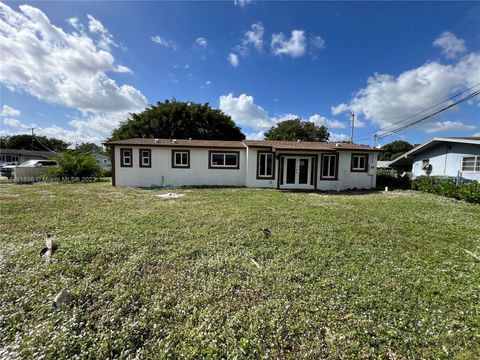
(332, 162)
(476, 164)
(360, 156)
(124, 163)
(181, 164)
(265, 161)
(143, 157)
(224, 166)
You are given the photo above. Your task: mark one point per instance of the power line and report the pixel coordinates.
(43, 145)
(366, 137)
(466, 98)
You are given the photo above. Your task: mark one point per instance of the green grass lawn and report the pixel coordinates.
(342, 276)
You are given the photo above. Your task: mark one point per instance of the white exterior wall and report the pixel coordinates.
(346, 178)
(162, 174)
(251, 174)
(446, 160)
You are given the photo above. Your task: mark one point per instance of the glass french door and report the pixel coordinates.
(297, 172)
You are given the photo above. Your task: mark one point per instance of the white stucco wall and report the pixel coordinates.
(162, 174)
(348, 179)
(251, 180)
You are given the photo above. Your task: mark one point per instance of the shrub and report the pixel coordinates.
(387, 179)
(469, 192)
(75, 166)
(446, 186)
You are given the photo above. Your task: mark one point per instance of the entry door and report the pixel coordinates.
(297, 172)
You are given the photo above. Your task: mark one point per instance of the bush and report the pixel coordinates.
(75, 166)
(387, 179)
(446, 186)
(469, 192)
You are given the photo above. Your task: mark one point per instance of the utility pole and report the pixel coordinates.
(353, 125)
(33, 134)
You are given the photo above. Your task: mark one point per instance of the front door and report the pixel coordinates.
(297, 172)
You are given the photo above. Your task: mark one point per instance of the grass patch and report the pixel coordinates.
(380, 275)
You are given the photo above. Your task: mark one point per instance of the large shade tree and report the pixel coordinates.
(179, 120)
(394, 149)
(296, 129)
(38, 143)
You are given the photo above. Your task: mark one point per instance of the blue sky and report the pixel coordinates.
(75, 70)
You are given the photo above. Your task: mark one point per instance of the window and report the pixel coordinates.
(265, 165)
(359, 163)
(471, 164)
(224, 160)
(329, 167)
(145, 160)
(181, 159)
(126, 158)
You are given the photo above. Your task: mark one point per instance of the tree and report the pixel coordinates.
(180, 120)
(394, 149)
(75, 165)
(40, 143)
(85, 148)
(297, 129)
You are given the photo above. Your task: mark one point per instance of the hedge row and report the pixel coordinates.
(469, 192)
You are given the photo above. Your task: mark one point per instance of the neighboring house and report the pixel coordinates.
(250, 163)
(103, 161)
(449, 156)
(20, 156)
(383, 165)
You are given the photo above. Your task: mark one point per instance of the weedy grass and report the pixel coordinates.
(368, 275)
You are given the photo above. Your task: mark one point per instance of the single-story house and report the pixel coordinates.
(448, 156)
(20, 156)
(103, 161)
(250, 163)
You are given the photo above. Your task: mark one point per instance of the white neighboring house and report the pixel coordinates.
(450, 156)
(103, 161)
(250, 163)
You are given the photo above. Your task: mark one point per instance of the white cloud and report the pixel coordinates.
(242, 3)
(123, 69)
(338, 137)
(476, 134)
(74, 22)
(64, 68)
(233, 59)
(9, 111)
(15, 123)
(164, 42)
(317, 42)
(202, 42)
(330, 124)
(245, 112)
(206, 84)
(255, 135)
(254, 36)
(451, 45)
(294, 47)
(439, 126)
(388, 99)
(96, 27)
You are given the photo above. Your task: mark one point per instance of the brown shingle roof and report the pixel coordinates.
(273, 144)
(306, 145)
(179, 143)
